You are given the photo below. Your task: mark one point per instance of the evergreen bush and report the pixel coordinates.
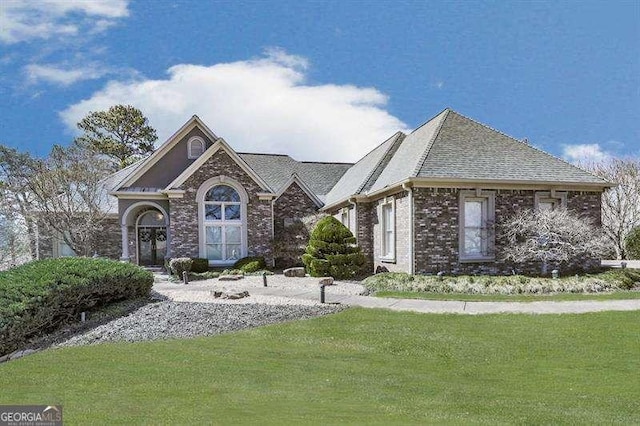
(180, 265)
(199, 265)
(250, 264)
(332, 251)
(39, 296)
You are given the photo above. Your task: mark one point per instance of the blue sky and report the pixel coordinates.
(326, 80)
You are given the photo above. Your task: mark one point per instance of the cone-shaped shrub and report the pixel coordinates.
(332, 251)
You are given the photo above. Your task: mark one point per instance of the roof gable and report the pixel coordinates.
(358, 178)
(295, 179)
(148, 164)
(218, 145)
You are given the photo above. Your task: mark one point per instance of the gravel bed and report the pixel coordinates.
(168, 319)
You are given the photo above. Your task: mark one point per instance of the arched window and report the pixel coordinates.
(195, 147)
(223, 227)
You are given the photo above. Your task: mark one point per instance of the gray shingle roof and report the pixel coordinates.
(112, 181)
(277, 169)
(361, 176)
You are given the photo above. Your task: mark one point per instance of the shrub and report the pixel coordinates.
(332, 251)
(199, 265)
(632, 243)
(180, 265)
(250, 264)
(619, 279)
(41, 295)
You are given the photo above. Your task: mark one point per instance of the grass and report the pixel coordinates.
(616, 295)
(356, 367)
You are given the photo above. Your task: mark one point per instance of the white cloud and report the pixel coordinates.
(63, 76)
(259, 105)
(585, 153)
(24, 20)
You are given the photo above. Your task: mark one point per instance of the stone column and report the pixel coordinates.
(125, 244)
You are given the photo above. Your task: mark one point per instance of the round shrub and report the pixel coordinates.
(250, 264)
(39, 296)
(199, 265)
(180, 265)
(632, 243)
(332, 251)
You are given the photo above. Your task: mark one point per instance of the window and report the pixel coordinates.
(195, 147)
(344, 217)
(477, 210)
(388, 232)
(544, 201)
(222, 224)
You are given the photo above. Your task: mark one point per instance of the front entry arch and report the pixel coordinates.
(151, 234)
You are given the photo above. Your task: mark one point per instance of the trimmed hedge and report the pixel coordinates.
(332, 251)
(199, 265)
(250, 264)
(41, 295)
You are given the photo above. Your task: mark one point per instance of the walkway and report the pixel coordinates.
(307, 294)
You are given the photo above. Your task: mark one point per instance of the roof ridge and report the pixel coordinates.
(324, 162)
(373, 170)
(526, 144)
(447, 109)
(426, 152)
(266, 153)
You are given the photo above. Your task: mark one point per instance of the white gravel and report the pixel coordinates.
(280, 290)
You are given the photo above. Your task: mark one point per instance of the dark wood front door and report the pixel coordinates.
(152, 245)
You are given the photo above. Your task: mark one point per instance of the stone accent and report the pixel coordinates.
(294, 272)
(290, 234)
(326, 281)
(184, 211)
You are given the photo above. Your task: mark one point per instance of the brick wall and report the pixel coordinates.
(184, 211)
(436, 230)
(291, 236)
(108, 243)
(402, 261)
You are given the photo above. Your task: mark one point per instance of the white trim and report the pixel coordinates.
(190, 142)
(123, 222)
(217, 145)
(139, 195)
(137, 235)
(554, 196)
(295, 178)
(412, 239)
(388, 254)
(244, 201)
(165, 148)
(488, 198)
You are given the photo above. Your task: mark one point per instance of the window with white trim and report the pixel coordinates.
(223, 224)
(477, 212)
(344, 217)
(387, 213)
(195, 147)
(544, 201)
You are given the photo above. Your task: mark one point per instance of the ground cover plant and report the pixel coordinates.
(555, 297)
(607, 281)
(40, 295)
(359, 366)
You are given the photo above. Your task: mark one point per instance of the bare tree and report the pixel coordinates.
(14, 242)
(621, 204)
(549, 236)
(15, 197)
(70, 196)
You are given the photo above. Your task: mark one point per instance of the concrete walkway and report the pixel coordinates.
(306, 293)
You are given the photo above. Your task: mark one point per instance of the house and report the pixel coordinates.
(422, 202)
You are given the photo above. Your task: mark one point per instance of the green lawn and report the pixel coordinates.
(360, 367)
(616, 295)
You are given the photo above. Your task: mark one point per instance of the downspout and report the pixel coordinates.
(273, 233)
(355, 221)
(408, 186)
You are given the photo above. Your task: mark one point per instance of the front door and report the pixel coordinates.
(152, 245)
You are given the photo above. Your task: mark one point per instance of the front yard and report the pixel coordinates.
(358, 366)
